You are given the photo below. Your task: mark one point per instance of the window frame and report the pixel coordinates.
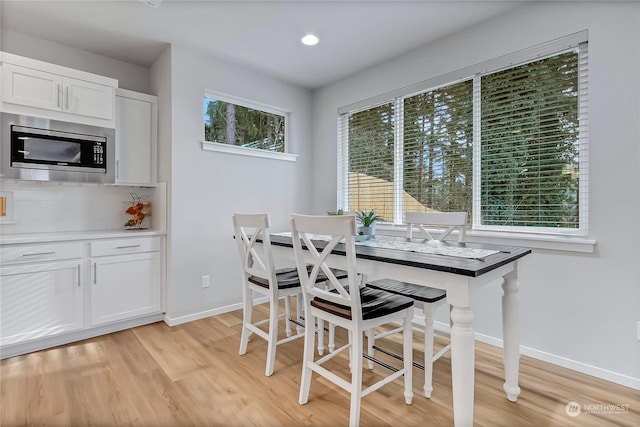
(474, 73)
(285, 155)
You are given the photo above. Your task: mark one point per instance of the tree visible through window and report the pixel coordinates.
(530, 144)
(508, 147)
(438, 149)
(371, 154)
(229, 123)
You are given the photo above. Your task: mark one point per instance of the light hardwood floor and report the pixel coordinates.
(192, 374)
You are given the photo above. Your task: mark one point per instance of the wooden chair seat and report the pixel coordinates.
(288, 278)
(416, 292)
(374, 303)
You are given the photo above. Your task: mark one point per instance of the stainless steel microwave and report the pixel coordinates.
(49, 150)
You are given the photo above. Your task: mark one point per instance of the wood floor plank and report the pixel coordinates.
(192, 375)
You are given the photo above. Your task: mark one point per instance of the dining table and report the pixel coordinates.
(458, 268)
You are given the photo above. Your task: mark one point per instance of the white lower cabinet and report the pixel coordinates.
(38, 300)
(124, 286)
(58, 292)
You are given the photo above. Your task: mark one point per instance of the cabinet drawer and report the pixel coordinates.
(13, 254)
(125, 246)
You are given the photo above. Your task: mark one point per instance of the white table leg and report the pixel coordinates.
(510, 303)
(462, 365)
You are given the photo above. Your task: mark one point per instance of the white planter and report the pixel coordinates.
(368, 231)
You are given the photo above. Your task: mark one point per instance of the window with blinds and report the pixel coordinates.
(508, 145)
(370, 180)
(438, 151)
(529, 144)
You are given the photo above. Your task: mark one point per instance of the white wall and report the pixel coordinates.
(129, 76)
(208, 187)
(578, 310)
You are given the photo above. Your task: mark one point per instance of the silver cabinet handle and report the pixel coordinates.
(66, 98)
(78, 275)
(39, 254)
(59, 93)
(95, 273)
(117, 169)
(25, 152)
(128, 247)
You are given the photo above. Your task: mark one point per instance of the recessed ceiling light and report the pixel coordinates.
(310, 40)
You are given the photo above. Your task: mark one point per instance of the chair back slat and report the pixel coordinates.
(342, 230)
(452, 220)
(257, 260)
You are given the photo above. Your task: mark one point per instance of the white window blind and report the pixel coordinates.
(507, 145)
(529, 140)
(438, 156)
(370, 173)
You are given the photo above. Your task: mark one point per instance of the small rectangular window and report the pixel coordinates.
(243, 125)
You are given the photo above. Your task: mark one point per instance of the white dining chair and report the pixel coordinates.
(260, 276)
(429, 299)
(351, 306)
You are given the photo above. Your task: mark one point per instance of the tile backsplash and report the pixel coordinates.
(55, 207)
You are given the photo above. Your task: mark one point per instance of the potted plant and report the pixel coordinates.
(367, 219)
(338, 212)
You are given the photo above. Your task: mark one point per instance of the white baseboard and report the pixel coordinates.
(594, 371)
(585, 368)
(174, 321)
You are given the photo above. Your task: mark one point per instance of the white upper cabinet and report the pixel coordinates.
(36, 88)
(136, 134)
(87, 99)
(29, 87)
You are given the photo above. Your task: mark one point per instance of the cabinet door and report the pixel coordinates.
(40, 300)
(87, 98)
(133, 140)
(125, 286)
(31, 88)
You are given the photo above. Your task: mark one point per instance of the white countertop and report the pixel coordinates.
(9, 239)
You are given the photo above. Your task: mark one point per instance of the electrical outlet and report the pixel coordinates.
(205, 281)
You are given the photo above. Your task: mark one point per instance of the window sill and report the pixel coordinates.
(534, 241)
(244, 151)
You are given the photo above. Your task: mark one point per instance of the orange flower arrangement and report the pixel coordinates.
(139, 211)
